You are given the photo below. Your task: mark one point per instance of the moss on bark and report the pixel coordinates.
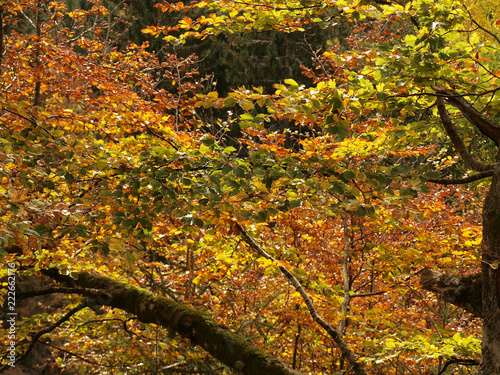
(197, 326)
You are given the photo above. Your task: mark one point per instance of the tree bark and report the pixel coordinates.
(197, 326)
(485, 126)
(490, 362)
(463, 291)
(457, 141)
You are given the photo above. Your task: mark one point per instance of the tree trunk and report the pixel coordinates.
(490, 363)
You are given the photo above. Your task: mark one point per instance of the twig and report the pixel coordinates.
(481, 27)
(30, 119)
(455, 95)
(53, 290)
(360, 295)
(74, 355)
(458, 361)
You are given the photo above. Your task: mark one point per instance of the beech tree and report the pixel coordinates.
(139, 221)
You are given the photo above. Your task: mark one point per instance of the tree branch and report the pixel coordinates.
(369, 294)
(462, 291)
(457, 141)
(197, 326)
(41, 292)
(464, 180)
(339, 340)
(345, 277)
(458, 361)
(481, 27)
(487, 127)
(75, 355)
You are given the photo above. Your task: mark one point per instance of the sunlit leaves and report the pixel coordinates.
(135, 169)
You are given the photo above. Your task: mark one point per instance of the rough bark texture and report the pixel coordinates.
(461, 291)
(195, 325)
(490, 364)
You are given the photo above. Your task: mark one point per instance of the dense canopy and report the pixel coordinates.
(254, 187)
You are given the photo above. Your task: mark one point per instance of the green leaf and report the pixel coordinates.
(340, 130)
(239, 172)
(69, 178)
(229, 102)
(246, 116)
(348, 175)
(262, 216)
(208, 141)
(198, 222)
(31, 232)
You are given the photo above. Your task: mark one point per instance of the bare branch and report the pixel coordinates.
(39, 334)
(42, 292)
(369, 294)
(455, 95)
(458, 361)
(30, 119)
(481, 27)
(195, 325)
(345, 277)
(75, 355)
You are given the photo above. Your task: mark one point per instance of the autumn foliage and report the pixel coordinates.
(126, 162)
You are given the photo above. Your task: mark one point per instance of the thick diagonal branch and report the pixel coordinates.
(487, 127)
(468, 159)
(462, 291)
(197, 326)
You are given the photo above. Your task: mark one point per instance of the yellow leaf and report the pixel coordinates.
(246, 105)
(390, 344)
(260, 186)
